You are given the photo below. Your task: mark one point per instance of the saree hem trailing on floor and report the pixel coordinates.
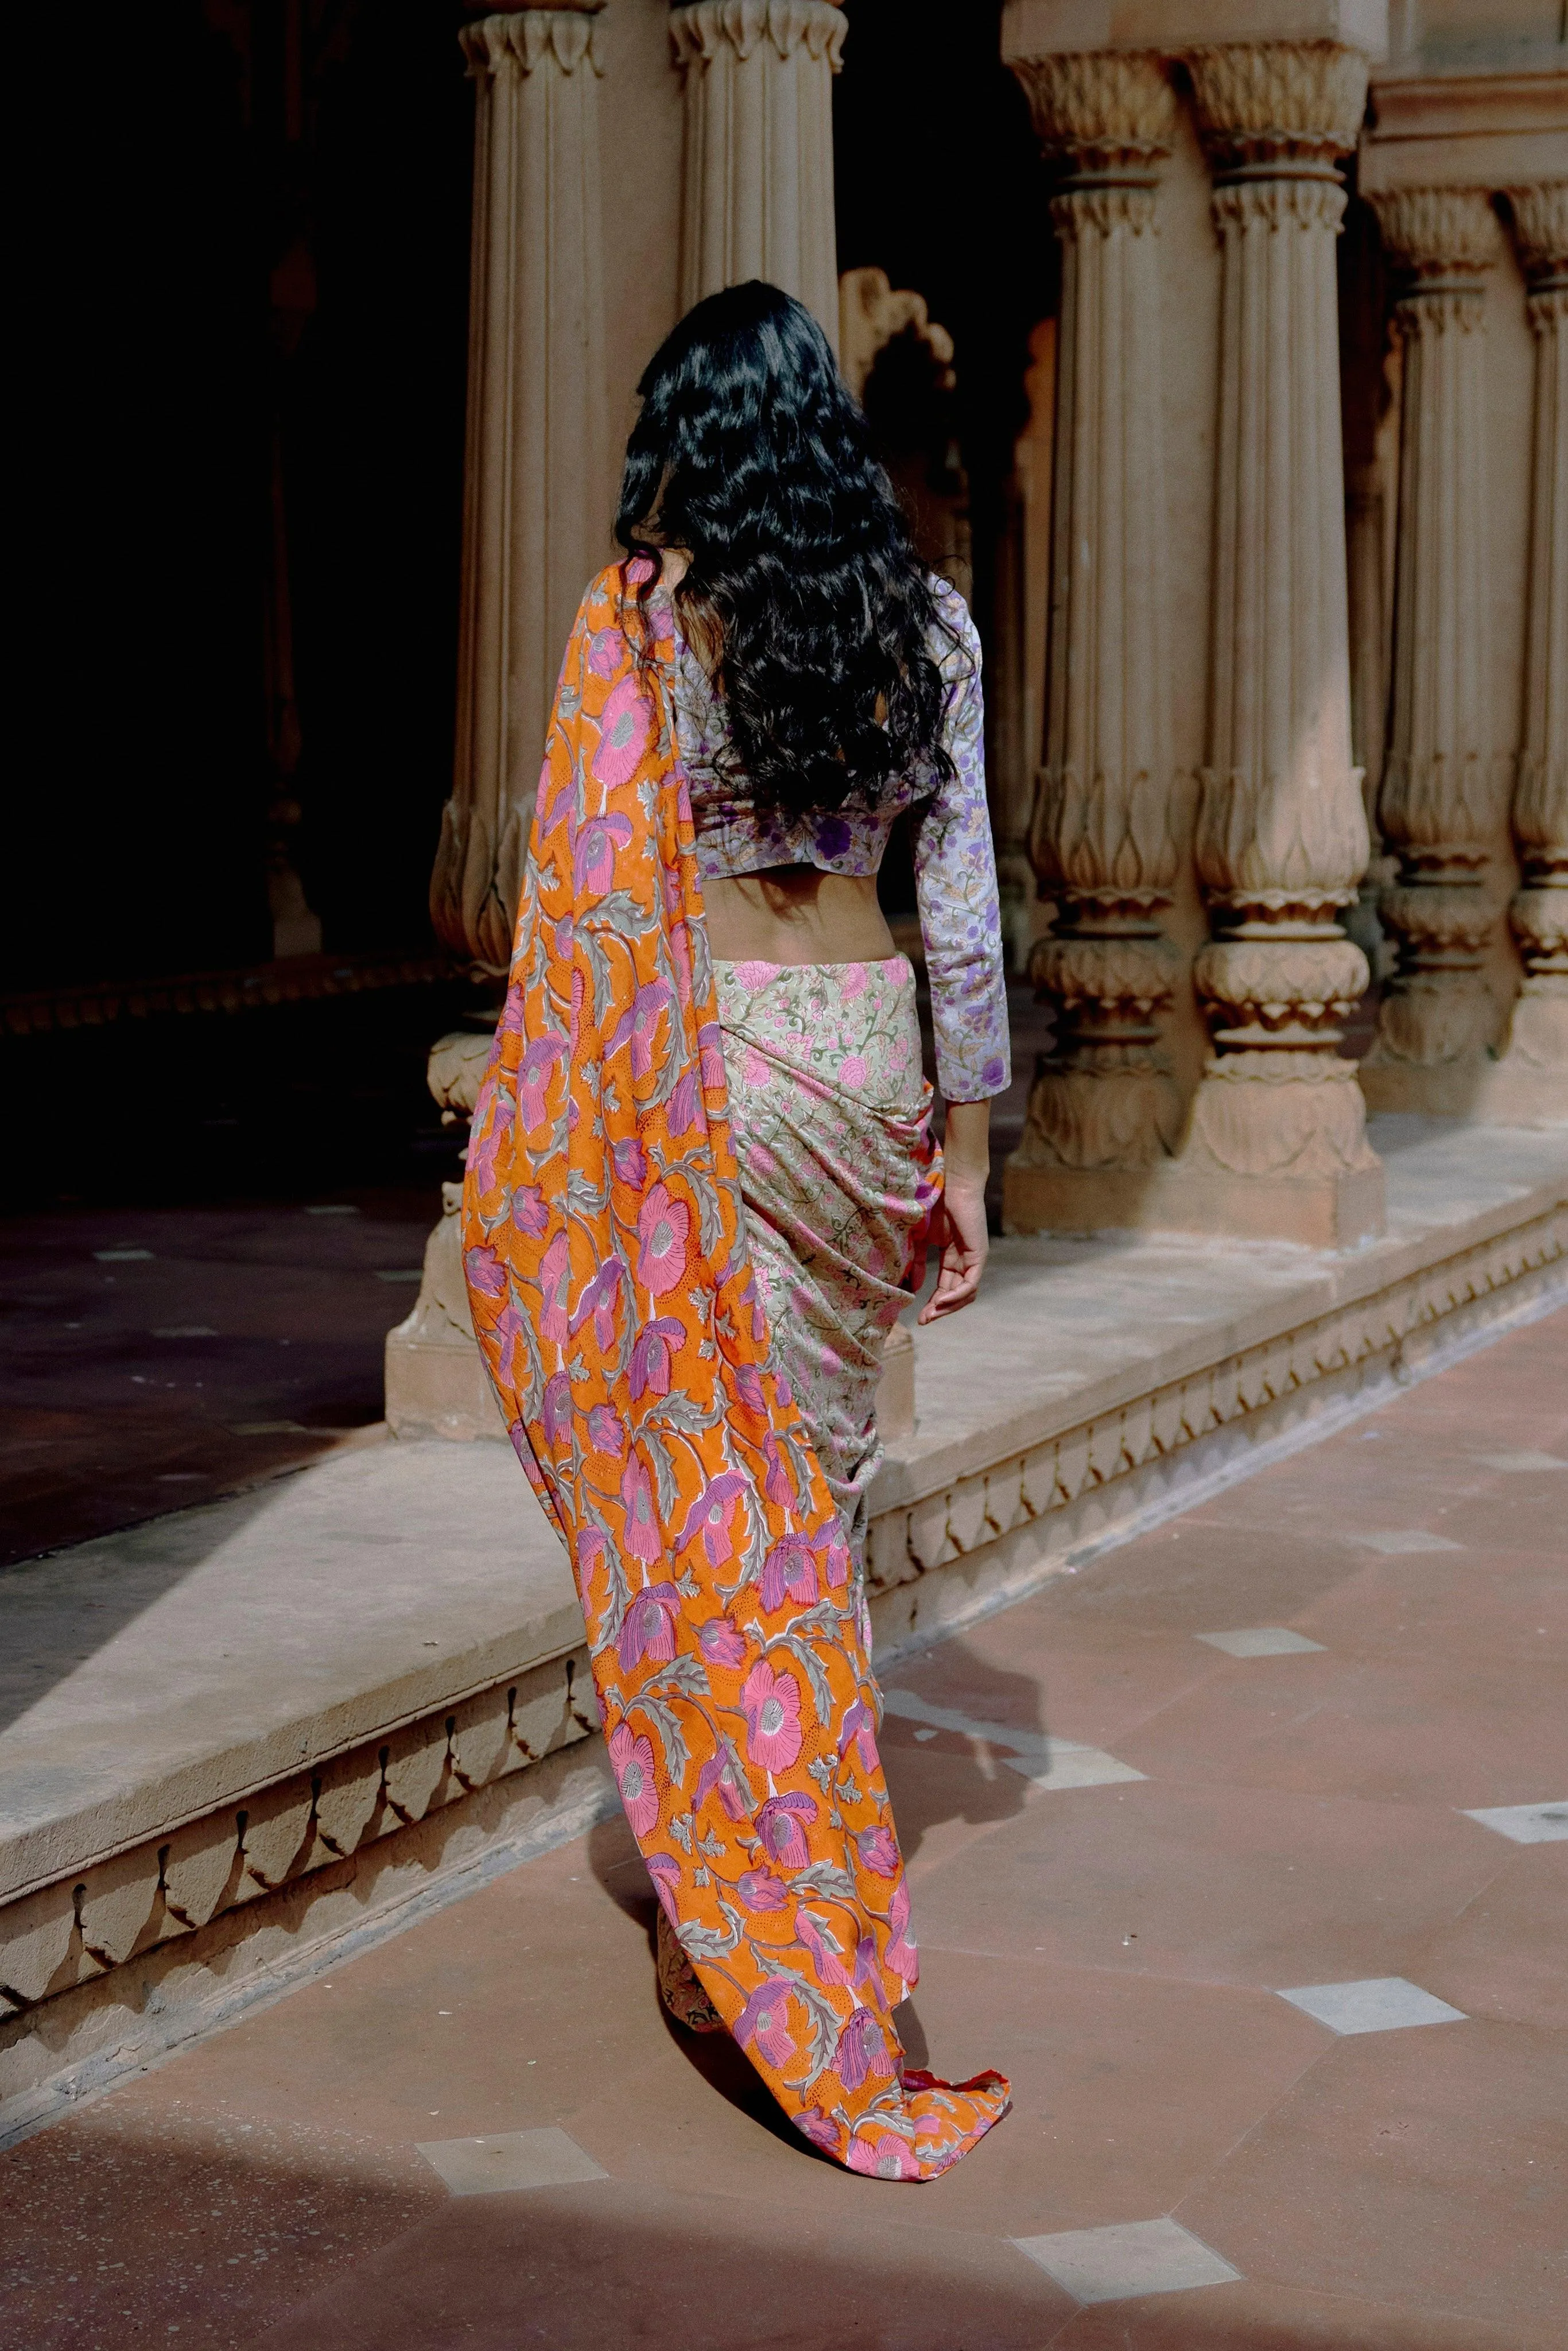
(619, 1316)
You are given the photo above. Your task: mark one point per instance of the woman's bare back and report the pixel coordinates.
(791, 913)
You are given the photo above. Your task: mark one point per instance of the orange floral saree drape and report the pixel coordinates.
(617, 1309)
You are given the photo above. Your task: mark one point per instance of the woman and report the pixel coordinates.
(701, 1173)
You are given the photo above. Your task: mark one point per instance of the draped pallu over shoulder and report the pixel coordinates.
(618, 1316)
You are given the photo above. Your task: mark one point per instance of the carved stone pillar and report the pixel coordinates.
(1277, 1144)
(1103, 1105)
(1444, 783)
(534, 485)
(757, 176)
(536, 493)
(1529, 1085)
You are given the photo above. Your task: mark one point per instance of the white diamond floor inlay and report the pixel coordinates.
(1379, 2004)
(1405, 1539)
(1526, 1823)
(1071, 1766)
(1260, 1641)
(1129, 2258)
(509, 2159)
(1521, 1462)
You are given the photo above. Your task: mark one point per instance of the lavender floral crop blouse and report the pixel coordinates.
(955, 865)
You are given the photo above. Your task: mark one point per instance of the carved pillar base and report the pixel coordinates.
(1277, 1151)
(1105, 1112)
(436, 1385)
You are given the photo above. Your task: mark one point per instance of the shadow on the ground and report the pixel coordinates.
(291, 2245)
(314, 2247)
(937, 1773)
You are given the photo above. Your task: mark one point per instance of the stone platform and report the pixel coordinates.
(247, 1738)
(1241, 1850)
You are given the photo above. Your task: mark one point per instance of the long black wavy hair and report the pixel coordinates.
(749, 455)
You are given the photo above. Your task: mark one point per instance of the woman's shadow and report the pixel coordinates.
(937, 1771)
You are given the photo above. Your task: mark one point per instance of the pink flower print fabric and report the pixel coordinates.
(619, 1308)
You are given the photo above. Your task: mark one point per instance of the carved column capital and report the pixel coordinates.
(1438, 234)
(1278, 106)
(522, 39)
(700, 29)
(1541, 232)
(1100, 110)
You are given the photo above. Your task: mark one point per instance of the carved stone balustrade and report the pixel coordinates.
(1104, 1103)
(1444, 778)
(758, 179)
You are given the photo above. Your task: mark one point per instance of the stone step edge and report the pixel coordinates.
(163, 1897)
(930, 1529)
(928, 1510)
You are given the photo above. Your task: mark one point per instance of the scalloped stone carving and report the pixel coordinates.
(1097, 108)
(1277, 101)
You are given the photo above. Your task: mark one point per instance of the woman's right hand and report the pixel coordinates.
(965, 1244)
(960, 1223)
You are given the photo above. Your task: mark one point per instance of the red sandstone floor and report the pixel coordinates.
(1119, 1948)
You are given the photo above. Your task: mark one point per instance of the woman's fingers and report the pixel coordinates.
(957, 1284)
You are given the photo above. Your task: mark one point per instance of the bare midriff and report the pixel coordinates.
(794, 914)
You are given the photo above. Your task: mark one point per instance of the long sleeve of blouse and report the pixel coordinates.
(955, 890)
(954, 867)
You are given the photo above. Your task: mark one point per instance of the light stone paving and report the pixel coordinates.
(1127, 2259)
(1072, 1766)
(1260, 1641)
(1379, 2004)
(507, 2160)
(1526, 1823)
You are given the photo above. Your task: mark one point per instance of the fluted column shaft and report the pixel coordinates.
(758, 173)
(1444, 783)
(1101, 840)
(1282, 834)
(535, 496)
(535, 480)
(1534, 1072)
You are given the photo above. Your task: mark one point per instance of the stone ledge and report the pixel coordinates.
(1094, 1322)
(262, 1636)
(364, 1679)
